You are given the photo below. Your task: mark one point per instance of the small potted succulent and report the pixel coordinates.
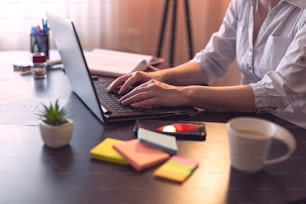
(55, 126)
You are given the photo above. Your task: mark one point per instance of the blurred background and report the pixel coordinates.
(127, 25)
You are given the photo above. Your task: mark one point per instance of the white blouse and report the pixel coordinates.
(274, 66)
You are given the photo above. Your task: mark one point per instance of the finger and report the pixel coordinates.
(134, 97)
(117, 82)
(140, 88)
(148, 103)
(132, 80)
(125, 99)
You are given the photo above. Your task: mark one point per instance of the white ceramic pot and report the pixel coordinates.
(56, 136)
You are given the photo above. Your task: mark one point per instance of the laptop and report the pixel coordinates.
(92, 93)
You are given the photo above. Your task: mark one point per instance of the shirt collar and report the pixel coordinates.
(298, 3)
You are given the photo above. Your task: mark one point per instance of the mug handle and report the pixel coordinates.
(285, 136)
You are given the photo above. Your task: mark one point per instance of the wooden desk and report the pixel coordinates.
(31, 173)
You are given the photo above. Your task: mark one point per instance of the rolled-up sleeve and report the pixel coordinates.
(280, 88)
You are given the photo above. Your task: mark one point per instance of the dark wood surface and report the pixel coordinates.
(31, 173)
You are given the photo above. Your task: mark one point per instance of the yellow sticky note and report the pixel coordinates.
(104, 151)
(176, 169)
(169, 174)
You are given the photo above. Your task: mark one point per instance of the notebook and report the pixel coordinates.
(128, 62)
(139, 155)
(157, 140)
(92, 93)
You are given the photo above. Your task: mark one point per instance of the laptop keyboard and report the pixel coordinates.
(112, 99)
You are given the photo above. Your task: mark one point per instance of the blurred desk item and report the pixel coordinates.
(115, 63)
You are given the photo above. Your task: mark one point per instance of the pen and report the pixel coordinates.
(51, 65)
(141, 66)
(39, 29)
(152, 67)
(26, 72)
(45, 26)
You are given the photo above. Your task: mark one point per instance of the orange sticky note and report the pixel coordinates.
(139, 155)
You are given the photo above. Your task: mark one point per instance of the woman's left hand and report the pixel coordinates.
(154, 93)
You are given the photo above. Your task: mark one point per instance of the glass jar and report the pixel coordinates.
(39, 68)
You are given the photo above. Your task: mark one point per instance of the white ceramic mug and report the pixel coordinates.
(249, 140)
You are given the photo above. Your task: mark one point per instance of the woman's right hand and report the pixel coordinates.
(128, 80)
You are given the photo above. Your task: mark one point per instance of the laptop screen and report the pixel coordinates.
(69, 47)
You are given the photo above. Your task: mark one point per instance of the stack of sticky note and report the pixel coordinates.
(104, 151)
(150, 149)
(176, 169)
(157, 140)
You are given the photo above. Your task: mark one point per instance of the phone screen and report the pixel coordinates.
(182, 130)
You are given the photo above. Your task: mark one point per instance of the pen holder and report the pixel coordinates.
(39, 43)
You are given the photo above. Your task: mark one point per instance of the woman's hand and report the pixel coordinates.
(154, 93)
(128, 80)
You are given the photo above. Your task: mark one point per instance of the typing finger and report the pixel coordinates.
(134, 80)
(117, 82)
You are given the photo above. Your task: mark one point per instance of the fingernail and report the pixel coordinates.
(120, 91)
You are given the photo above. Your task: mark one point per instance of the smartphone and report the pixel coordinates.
(182, 130)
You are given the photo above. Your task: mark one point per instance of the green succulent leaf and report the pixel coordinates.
(53, 114)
